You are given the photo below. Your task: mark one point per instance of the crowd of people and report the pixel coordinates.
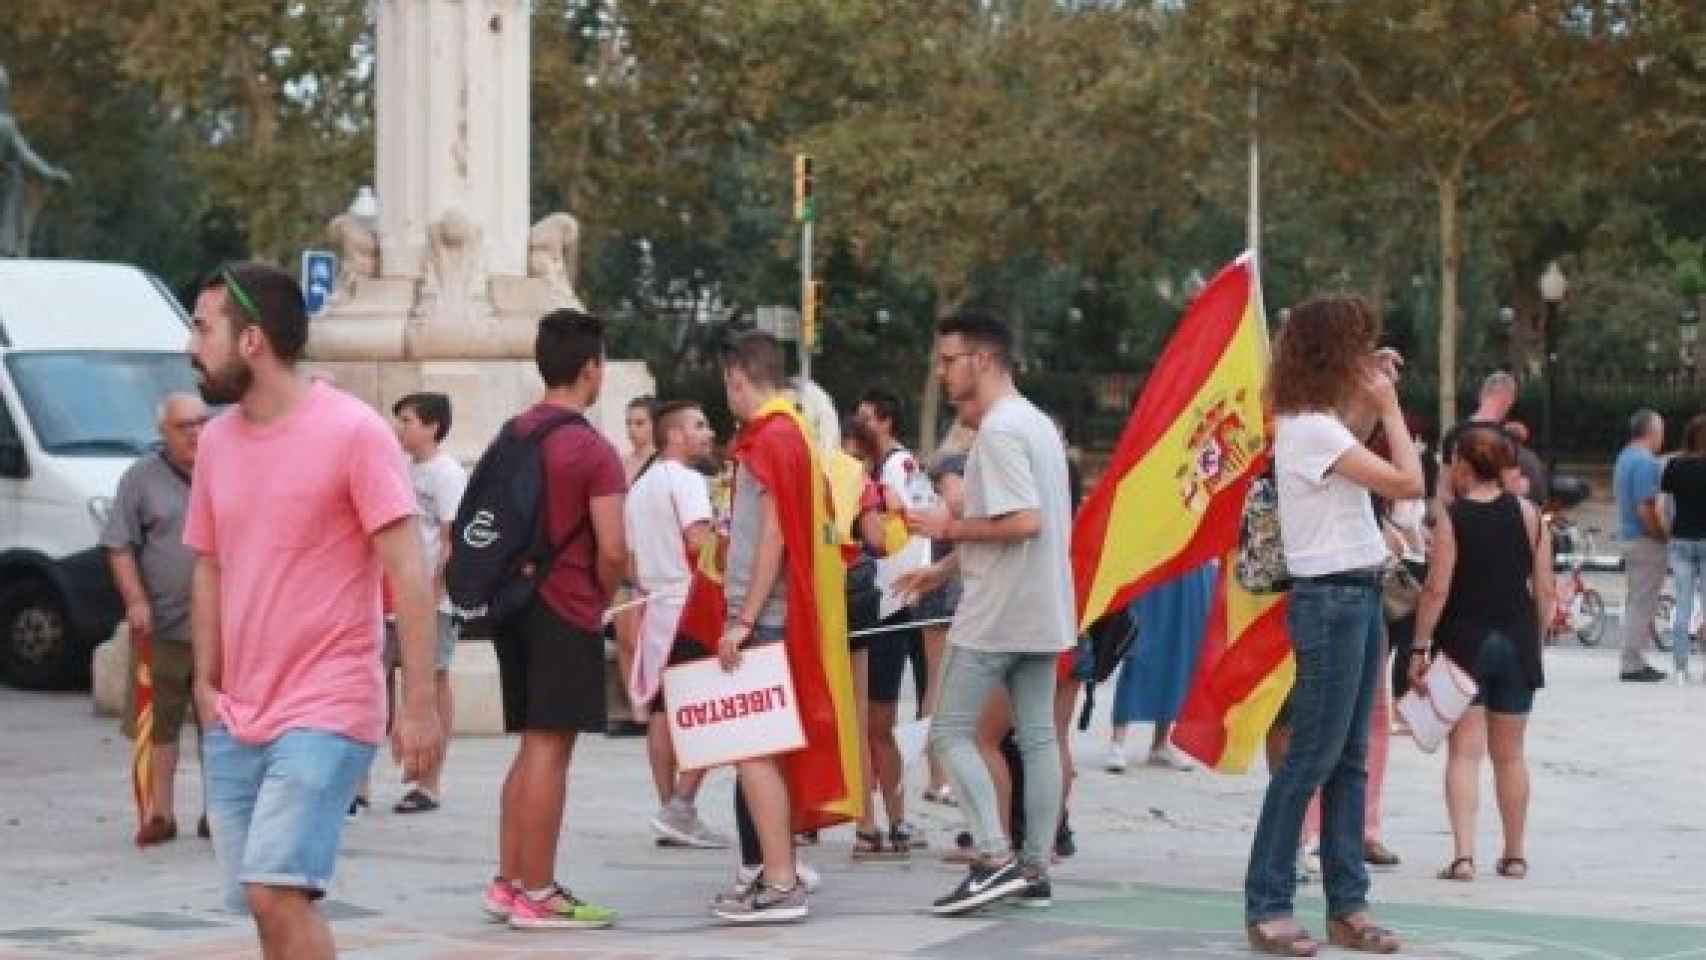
(303, 636)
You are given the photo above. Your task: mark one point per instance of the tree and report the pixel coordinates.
(1449, 87)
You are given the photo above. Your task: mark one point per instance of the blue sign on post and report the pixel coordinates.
(319, 272)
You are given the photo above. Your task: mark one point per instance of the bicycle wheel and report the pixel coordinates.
(1664, 621)
(1587, 617)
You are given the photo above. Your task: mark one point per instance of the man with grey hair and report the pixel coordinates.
(1641, 528)
(153, 570)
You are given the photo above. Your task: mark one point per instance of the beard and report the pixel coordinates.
(227, 384)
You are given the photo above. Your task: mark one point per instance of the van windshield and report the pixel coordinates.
(90, 403)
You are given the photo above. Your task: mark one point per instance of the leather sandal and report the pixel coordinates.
(1512, 868)
(1296, 944)
(870, 846)
(1452, 873)
(1363, 938)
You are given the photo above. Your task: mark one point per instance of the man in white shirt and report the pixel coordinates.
(897, 472)
(1016, 615)
(423, 421)
(668, 517)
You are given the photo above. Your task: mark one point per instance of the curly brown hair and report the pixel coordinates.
(1318, 354)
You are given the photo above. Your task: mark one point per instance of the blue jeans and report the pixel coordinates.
(1335, 633)
(968, 678)
(277, 809)
(1688, 569)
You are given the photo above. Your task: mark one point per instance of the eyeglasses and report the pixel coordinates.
(239, 294)
(946, 360)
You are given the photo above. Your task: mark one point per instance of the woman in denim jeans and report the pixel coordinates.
(1329, 387)
(1685, 480)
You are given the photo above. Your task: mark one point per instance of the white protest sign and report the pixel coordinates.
(718, 718)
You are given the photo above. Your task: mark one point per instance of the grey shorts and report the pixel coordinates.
(447, 632)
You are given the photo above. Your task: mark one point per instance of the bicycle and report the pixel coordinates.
(1664, 624)
(1580, 610)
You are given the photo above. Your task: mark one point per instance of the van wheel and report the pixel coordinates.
(36, 647)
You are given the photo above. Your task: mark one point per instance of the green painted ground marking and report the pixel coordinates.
(1470, 931)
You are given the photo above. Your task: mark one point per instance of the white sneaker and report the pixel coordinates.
(1115, 762)
(680, 826)
(1682, 678)
(1166, 759)
(809, 877)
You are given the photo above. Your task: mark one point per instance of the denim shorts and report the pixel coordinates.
(277, 809)
(1498, 672)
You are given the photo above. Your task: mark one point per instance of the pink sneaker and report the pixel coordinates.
(558, 910)
(500, 900)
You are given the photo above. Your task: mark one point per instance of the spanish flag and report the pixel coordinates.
(1243, 674)
(142, 772)
(824, 784)
(1173, 494)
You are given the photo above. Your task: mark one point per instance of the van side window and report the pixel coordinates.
(14, 463)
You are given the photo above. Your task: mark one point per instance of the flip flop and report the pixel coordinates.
(943, 795)
(415, 801)
(1512, 868)
(1451, 872)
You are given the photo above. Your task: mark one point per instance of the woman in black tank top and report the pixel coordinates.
(1489, 589)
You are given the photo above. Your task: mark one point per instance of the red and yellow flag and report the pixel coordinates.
(1172, 496)
(1244, 672)
(824, 782)
(142, 772)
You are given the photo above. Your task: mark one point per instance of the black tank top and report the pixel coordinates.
(1490, 583)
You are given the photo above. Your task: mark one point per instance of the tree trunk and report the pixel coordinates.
(1450, 249)
(948, 297)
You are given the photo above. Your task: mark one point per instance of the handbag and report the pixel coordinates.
(1400, 591)
(1432, 709)
(1260, 564)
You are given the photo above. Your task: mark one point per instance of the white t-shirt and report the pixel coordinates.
(438, 484)
(667, 499)
(898, 469)
(1326, 521)
(1018, 596)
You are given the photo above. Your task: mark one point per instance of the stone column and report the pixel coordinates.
(453, 107)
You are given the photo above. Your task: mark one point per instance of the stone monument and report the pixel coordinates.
(17, 211)
(441, 281)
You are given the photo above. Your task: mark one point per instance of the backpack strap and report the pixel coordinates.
(554, 551)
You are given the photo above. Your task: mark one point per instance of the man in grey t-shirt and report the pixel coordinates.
(1015, 616)
(152, 568)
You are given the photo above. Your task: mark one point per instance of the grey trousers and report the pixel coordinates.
(1645, 561)
(968, 678)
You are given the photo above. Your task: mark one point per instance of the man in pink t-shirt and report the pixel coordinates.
(300, 501)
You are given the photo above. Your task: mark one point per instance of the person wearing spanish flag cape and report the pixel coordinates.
(784, 582)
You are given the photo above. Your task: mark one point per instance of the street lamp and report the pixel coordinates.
(1553, 286)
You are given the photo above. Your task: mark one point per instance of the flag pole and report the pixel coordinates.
(1253, 228)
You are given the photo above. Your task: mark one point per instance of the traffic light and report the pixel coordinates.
(803, 212)
(809, 314)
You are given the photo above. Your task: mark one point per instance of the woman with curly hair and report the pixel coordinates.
(1329, 386)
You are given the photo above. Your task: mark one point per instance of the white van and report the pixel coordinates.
(87, 351)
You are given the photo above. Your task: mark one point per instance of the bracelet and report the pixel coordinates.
(1419, 653)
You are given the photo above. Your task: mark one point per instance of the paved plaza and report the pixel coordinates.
(1617, 835)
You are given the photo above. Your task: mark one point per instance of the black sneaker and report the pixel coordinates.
(984, 884)
(1644, 675)
(1038, 893)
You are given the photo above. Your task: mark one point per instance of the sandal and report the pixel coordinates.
(1297, 944)
(1451, 872)
(1512, 868)
(1363, 938)
(416, 801)
(869, 846)
(943, 795)
(903, 839)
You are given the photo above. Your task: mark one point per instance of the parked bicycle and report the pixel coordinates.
(1580, 611)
